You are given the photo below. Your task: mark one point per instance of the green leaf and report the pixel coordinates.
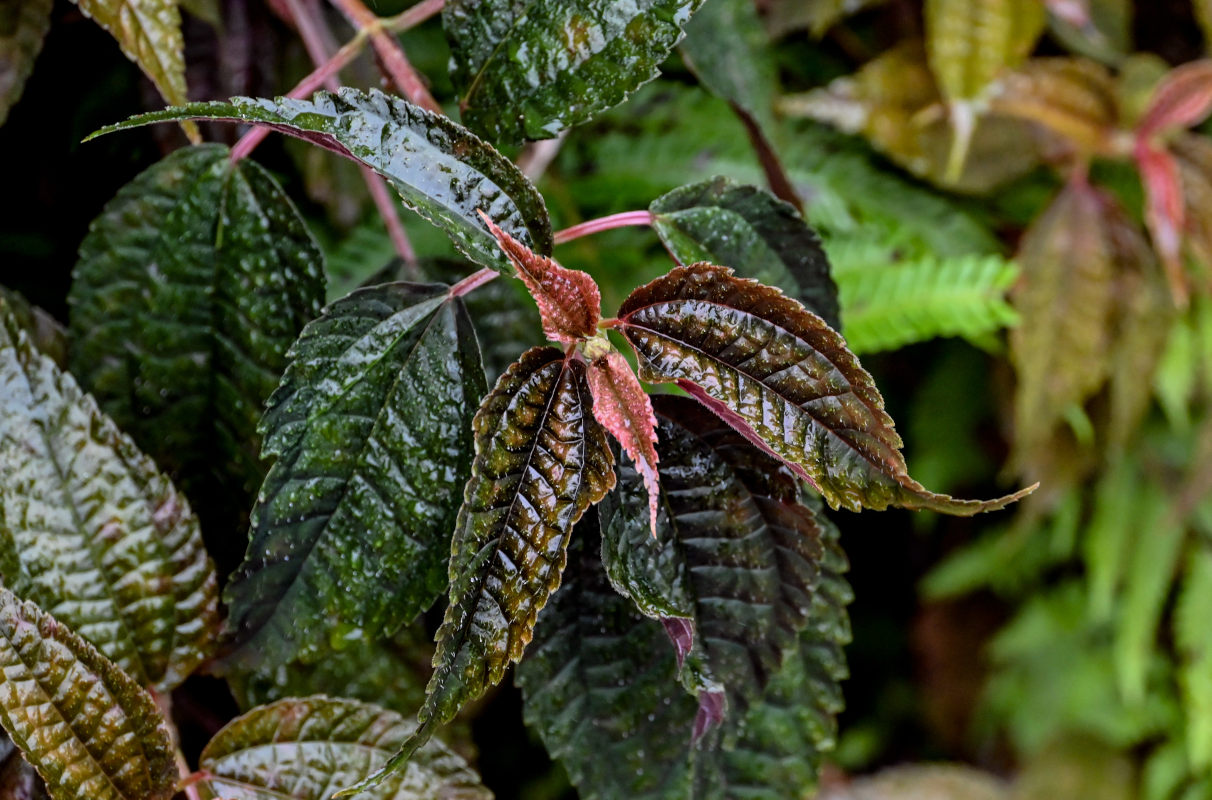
(599, 684)
(301, 748)
(91, 530)
(190, 288)
(530, 70)
(370, 430)
(729, 51)
(1194, 643)
(149, 33)
(889, 304)
(747, 228)
(734, 554)
(85, 725)
(779, 374)
(440, 169)
(541, 460)
(23, 25)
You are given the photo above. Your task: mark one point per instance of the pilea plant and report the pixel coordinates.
(693, 648)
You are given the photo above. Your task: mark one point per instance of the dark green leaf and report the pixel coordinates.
(758, 235)
(440, 169)
(190, 288)
(91, 530)
(23, 24)
(301, 748)
(780, 375)
(541, 460)
(371, 432)
(85, 725)
(729, 51)
(530, 70)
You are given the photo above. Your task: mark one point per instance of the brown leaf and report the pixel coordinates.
(568, 299)
(1073, 98)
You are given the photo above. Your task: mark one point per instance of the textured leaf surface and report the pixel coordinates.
(91, 530)
(569, 301)
(87, 726)
(191, 286)
(779, 374)
(371, 432)
(305, 748)
(541, 460)
(756, 234)
(890, 304)
(530, 70)
(440, 169)
(23, 24)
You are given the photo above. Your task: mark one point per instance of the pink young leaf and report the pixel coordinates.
(1165, 212)
(1182, 99)
(622, 406)
(568, 299)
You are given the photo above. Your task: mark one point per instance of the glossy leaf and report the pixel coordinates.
(91, 530)
(622, 406)
(569, 301)
(190, 288)
(440, 169)
(87, 727)
(371, 432)
(301, 748)
(530, 70)
(23, 24)
(744, 227)
(541, 460)
(779, 374)
(149, 33)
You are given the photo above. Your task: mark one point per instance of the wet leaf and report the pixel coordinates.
(569, 301)
(190, 288)
(530, 70)
(149, 33)
(723, 222)
(91, 530)
(300, 748)
(623, 408)
(23, 24)
(440, 169)
(733, 554)
(87, 727)
(370, 430)
(541, 460)
(779, 374)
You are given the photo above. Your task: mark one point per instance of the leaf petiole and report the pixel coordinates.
(600, 224)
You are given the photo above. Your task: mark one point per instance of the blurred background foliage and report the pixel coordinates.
(1016, 198)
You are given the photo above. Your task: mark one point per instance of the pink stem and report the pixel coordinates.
(396, 64)
(603, 224)
(473, 281)
(395, 229)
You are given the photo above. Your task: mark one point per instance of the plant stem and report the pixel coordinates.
(391, 218)
(603, 224)
(391, 55)
(412, 17)
(473, 281)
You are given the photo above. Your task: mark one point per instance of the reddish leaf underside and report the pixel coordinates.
(568, 299)
(622, 406)
(1165, 212)
(1182, 99)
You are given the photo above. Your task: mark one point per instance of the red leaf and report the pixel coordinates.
(1164, 211)
(623, 408)
(568, 299)
(1182, 99)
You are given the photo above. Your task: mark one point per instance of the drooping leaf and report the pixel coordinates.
(371, 432)
(889, 305)
(779, 374)
(149, 33)
(723, 222)
(530, 70)
(44, 331)
(23, 24)
(87, 727)
(190, 288)
(541, 460)
(301, 748)
(440, 169)
(569, 301)
(91, 530)
(623, 408)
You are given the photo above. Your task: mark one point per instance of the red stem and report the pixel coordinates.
(473, 281)
(391, 55)
(600, 224)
